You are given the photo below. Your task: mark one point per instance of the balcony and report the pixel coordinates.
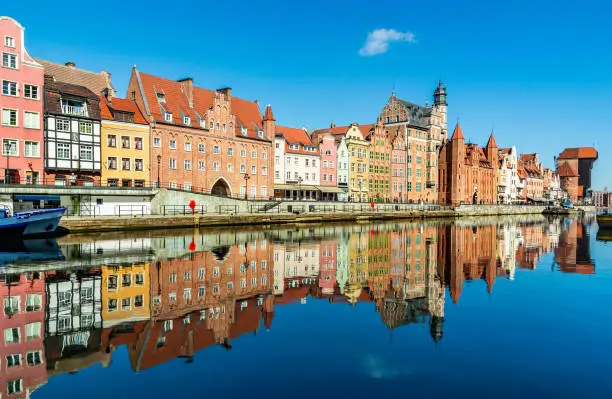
(76, 110)
(430, 184)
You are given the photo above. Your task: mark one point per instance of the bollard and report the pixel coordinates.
(196, 220)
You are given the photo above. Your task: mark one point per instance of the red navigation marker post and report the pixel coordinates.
(192, 245)
(192, 205)
(372, 205)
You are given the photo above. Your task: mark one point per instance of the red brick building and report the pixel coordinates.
(574, 166)
(467, 171)
(203, 140)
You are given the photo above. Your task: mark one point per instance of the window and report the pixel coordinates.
(138, 301)
(9, 117)
(187, 294)
(30, 91)
(253, 190)
(32, 330)
(33, 302)
(187, 164)
(111, 163)
(125, 164)
(277, 174)
(201, 291)
(187, 120)
(86, 153)
(10, 147)
(201, 165)
(156, 142)
(216, 150)
(9, 41)
(264, 171)
(254, 154)
(111, 141)
(62, 125)
(172, 163)
(187, 146)
(173, 144)
(201, 147)
(11, 335)
(9, 60)
(253, 170)
(111, 282)
(34, 358)
(13, 360)
(138, 143)
(32, 149)
(126, 303)
(126, 280)
(211, 125)
(14, 387)
(86, 128)
(139, 164)
(9, 88)
(12, 305)
(218, 126)
(216, 166)
(243, 153)
(161, 97)
(242, 168)
(168, 117)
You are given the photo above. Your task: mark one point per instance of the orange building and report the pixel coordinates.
(574, 166)
(467, 172)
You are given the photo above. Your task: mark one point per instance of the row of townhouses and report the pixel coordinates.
(62, 125)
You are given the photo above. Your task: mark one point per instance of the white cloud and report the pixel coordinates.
(378, 41)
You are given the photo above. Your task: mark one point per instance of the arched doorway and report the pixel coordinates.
(221, 188)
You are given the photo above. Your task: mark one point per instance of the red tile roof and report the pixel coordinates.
(175, 101)
(457, 133)
(528, 157)
(294, 135)
(120, 104)
(269, 116)
(95, 82)
(566, 171)
(579, 153)
(342, 130)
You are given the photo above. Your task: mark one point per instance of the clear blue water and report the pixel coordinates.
(482, 308)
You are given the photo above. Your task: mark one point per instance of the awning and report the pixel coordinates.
(36, 198)
(295, 187)
(330, 189)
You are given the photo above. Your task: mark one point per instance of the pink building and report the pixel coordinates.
(22, 317)
(327, 266)
(329, 178)
(22, 108)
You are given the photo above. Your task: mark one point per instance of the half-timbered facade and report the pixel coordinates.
(71, 134)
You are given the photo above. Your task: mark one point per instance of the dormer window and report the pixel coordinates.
(76, 108)
(187, 120)
(243, 131)
(203, 124)
(161, 97)
(168, 116)
(260, 134)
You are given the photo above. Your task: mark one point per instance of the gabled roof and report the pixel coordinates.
(579, 153)
(416, 113)
(294, 135)
(342, 130)
(528, 157)
(95, 82)
(107, 109)
(566, 171)
(457, 133)
(175, 101)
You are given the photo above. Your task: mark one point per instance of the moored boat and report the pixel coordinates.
(30, 223)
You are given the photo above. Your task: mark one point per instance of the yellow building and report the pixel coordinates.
(125, 294)
(358, 149)
(126, 147)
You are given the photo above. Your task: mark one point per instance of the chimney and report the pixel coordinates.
(333, 125)
(109, 85)
(108, 94)
(227, 91)
(187, 88)
(70, 64)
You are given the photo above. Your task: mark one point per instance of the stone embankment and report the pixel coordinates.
(150, 222)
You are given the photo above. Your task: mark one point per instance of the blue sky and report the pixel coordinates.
(538, 73)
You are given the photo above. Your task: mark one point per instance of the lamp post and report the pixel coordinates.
(8, 147)
(158, 165)
(359, 184)
(246, 184)
(300, 180)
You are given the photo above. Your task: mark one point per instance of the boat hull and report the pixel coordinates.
(32, 223)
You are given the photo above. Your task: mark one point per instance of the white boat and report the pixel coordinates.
(31, 222)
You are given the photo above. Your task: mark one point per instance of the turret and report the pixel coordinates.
(440, 94)
(269, 123)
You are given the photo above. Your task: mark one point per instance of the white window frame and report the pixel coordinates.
(8, 65)
(168, 116)
(14, 85)
(172, 144)
(25, 146)
(25, 91)
(9, 41)
(26, 118)
(187, 164)
(186, 120)
(156, 141)
(9, 118)
(64, 122)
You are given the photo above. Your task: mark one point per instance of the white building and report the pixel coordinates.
(296, 165)
(509, 183)
(342, 164)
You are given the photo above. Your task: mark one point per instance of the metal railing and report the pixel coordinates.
(131, 210)
(183, 210)
(229, 209)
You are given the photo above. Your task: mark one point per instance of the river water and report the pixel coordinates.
(487, 307)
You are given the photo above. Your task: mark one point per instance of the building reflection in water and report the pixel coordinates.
(168, 297)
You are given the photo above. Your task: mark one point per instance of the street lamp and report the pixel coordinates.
(246, 184)
(8, 147)
(359, 184)
(158, 164)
